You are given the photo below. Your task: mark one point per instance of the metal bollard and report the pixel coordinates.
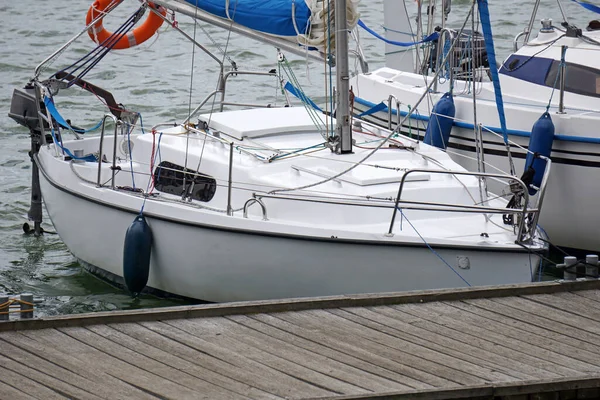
(26, 305)
(570, 273)
(4, 307)
(591, 267)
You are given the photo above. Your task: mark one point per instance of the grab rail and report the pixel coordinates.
(392, 97)
(101, 148)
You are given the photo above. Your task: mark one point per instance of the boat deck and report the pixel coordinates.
(514, 342)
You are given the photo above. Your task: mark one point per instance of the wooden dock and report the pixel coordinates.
(513, 342)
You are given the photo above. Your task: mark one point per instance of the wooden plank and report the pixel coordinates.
(118, 389)
(451, 368)
(406, 375)
(551, 313)
(238, 363)
(515, 333)
(589, 294)
(465, 335)
(28, 386)
(377, 375)
(533, 327)
(187, 351)
(533, 319)
(10, 393)
(570, 303)
(262, 345)
(45, 373)
(405, 363)
(272, 306)
(442, 344)
(174, 383)
(567, 365)
(152, 384)
(267, 358)
(118, 334)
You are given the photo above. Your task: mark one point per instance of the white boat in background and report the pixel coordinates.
(531, 85)
(266, 203)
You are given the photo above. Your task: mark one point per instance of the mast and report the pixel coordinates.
(343, 133)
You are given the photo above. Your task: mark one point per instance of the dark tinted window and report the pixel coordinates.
(580, 79)
(169, 177)
(543, 71)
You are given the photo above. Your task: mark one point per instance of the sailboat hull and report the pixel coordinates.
(570, 214)
(227, 263)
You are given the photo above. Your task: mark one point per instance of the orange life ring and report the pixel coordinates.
(99, 34)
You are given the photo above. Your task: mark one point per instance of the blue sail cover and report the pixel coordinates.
(268, 16)
(588, 5)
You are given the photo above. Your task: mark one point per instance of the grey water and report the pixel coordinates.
(161, 79)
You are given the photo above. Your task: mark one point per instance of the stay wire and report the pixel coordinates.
(403, 216)
(214, 97)
(187, 141)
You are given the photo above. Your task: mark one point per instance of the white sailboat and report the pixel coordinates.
(265, 203)
(553, 68)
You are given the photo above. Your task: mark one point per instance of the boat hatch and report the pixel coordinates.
(262, 122)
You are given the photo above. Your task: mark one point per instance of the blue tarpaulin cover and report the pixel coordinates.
(269, 16)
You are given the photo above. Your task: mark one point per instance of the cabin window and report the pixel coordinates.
(580, 79)
(526, 68)
(543, 71)
(169, 178)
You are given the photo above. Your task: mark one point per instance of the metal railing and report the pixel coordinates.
(397, 104)
(516, 40)
(117, 123)
(524, 233)
(235, 73)
(222, 91)
(521, 234)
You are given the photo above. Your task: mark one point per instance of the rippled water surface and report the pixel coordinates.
(154, 79)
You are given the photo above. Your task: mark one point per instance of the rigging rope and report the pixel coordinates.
(433, 37)
(91, 59)
(296, 89)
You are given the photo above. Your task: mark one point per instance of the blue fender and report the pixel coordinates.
(540, 142)
(136, 255)
(440, 122)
